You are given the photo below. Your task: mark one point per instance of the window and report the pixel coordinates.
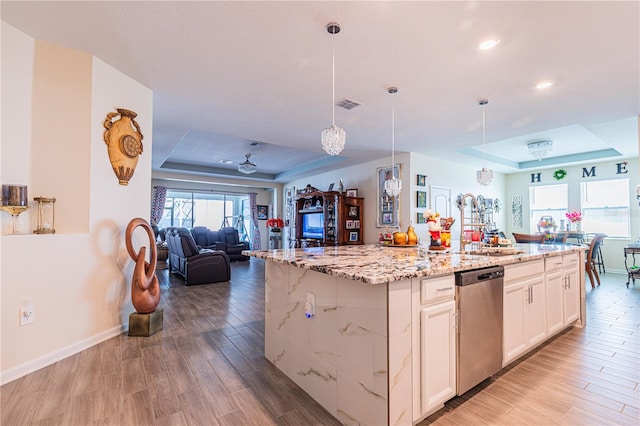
(189, 209)
(605, 207)
(549, 200)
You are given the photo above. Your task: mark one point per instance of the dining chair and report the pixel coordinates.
(528, 238)
(590, 260)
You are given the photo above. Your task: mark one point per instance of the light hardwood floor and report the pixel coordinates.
(206, 367)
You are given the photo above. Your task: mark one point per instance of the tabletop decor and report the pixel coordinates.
(547, 224)
(46, 215)
(275, 223)
(575, 218)
(124, 143)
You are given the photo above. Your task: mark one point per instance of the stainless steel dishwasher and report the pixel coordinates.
(479, 306)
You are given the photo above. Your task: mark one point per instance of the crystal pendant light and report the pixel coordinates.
(484, 176)
(393, 186)
(540, 149)
(333, 138)
(247, 167)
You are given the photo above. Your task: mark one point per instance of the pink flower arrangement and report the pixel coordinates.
(574, 217)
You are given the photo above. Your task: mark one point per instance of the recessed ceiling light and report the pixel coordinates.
(226, 161)
(488, 44)
(544, 84)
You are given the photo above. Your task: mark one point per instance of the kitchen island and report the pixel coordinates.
(343, 322)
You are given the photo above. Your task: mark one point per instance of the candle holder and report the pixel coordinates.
(14, 201)
(46, 215)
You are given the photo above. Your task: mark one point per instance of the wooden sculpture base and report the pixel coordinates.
(145, 325)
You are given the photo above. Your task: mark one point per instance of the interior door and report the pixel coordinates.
(440, 200)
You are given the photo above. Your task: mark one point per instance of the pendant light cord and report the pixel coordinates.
(333, 82)
(484, 160)
(393, 139)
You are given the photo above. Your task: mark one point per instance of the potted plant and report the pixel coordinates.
(276, 224)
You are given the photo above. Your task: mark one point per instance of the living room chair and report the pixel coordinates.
(232, 244)
(197, 266)
(528, 238)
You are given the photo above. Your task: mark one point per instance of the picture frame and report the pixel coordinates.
(330, 188)
(387, 214)
(352, 192)
(421, 180)
(420, 218)
(263, 212)
(353, 211)
(307, 204)
(353, 236)
(356, 224)
(349, 224)
(421, 199)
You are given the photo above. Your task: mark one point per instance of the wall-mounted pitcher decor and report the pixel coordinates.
(124, 143)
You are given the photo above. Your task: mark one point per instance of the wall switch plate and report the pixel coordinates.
(26, 313)
(310, 305)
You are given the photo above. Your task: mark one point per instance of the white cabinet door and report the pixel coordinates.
(534, 319)
(438, 354)
(571, 296)
(555, 295)
(514, 342)
(524, 321)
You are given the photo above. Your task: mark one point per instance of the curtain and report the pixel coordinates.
(255, 233)
(157, 205)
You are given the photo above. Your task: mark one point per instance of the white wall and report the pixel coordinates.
(78, 280)
(460, 178)
(612, 249)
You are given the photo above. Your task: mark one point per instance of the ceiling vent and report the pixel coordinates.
(347, 103)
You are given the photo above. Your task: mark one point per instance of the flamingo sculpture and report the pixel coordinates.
(145, 289)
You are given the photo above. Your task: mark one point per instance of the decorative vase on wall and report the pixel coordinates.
(124, 143)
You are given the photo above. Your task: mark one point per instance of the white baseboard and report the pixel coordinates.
(53, 357)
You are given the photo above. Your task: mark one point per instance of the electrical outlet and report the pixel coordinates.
(26, 313)
(310, 305)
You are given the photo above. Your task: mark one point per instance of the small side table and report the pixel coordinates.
(162, 255)
(633, 271)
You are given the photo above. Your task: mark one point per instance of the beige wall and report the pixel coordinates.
(78, 279)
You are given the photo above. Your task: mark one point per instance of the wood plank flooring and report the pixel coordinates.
(207, 367)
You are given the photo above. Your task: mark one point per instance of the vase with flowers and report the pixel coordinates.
(575, 218)
(276, 224)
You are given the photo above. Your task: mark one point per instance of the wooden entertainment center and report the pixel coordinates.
(328, 218)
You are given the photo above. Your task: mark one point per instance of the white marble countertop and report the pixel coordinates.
(375, 264)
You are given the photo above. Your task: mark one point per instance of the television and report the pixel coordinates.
(313, 225)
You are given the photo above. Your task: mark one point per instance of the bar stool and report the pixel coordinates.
(598, 260)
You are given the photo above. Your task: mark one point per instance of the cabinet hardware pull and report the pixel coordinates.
(531, 292)
(444, 289)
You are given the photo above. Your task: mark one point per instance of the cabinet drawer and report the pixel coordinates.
(517, 272)
(554, 263)
(437, 289)
(570, 261)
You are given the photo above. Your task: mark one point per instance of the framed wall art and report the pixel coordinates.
(420, 218)
(352, 192)
(421, 199)
(263, 212)
(388, 206)
(421, 180)
(353, 236)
